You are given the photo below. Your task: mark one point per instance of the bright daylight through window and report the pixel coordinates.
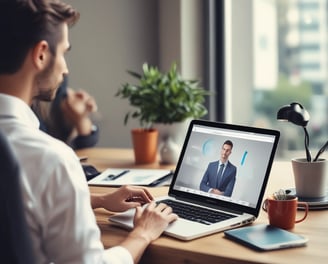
(290, 64)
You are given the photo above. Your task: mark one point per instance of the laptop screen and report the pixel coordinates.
(247, 154)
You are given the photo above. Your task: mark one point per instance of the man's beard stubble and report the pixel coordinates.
(48, 92)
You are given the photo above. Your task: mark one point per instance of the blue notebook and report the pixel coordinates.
(265, 237)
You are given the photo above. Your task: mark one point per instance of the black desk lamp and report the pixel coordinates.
(297, 114)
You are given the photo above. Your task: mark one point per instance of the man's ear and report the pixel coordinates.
(40, 54)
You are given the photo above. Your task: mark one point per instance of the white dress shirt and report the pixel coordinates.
(55, 191)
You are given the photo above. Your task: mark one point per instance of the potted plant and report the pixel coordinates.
(163, 98)
(309, 173)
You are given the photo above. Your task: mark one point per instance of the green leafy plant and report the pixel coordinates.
(163, 97)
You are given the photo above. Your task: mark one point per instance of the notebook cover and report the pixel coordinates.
(265, 237)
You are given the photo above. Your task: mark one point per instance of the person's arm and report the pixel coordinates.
(66, 205)
(204, 182)
(69, 118)
(122, 199)
(86, 141)
(75, 109)
(149, 224)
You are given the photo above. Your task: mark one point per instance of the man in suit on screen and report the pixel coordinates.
(220, 176)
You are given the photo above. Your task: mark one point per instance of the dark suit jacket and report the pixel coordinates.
(227, 181)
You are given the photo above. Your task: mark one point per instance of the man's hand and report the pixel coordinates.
(122, 199)
(77, 107)
(151, 221)
(216, 191)
(149, 224)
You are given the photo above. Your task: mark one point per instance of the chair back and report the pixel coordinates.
(15, 240)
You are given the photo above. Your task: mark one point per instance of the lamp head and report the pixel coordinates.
(294, 113)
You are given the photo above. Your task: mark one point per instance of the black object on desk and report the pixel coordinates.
(112, 177)
(163, 180)
(90, 171)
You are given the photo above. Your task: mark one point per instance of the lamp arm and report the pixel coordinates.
(306, 143)
(323, 148)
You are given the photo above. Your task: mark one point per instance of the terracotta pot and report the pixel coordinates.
(144, 145)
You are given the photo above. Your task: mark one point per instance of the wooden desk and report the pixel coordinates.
(214, 248)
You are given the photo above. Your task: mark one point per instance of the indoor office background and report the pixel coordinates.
(253, 55)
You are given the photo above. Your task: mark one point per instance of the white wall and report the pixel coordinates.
(113, 36)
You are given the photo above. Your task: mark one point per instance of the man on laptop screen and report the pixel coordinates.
(220, 176)
(202, 212)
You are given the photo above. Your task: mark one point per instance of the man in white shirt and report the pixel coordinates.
(34, 40)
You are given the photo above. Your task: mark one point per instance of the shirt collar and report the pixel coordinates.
(220, 162)
(11, 106)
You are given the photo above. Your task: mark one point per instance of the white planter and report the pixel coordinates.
(170, 140)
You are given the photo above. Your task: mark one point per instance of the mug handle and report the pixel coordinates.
(306, 209)
(265, 205)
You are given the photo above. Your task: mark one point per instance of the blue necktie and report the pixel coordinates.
(219, 176)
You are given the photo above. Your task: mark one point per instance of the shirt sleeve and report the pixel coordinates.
(118, 255)
(69, 230)
(86, 141)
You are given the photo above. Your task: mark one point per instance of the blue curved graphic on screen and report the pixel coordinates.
(208, 147)
(244, 158)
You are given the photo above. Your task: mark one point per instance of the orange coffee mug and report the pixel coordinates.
(282, 213)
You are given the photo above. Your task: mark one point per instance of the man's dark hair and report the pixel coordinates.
(24, 23)
(228, 142)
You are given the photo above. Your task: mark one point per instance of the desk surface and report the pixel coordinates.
(214, 248)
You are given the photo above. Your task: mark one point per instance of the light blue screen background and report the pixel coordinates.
(249, 156)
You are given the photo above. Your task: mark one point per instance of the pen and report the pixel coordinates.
(83, 158)
(162, 179)
(112, 177)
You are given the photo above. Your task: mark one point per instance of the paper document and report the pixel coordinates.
(124, 176)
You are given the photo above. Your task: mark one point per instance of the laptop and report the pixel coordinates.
(245, 179)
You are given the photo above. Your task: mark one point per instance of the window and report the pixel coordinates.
(276, 52)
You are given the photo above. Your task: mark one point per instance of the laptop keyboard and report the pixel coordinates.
(197, 214)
